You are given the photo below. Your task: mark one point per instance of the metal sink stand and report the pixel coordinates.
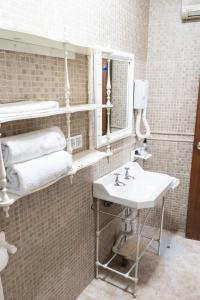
(139, 233)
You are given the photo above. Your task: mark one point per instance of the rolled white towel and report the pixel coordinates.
(23, 147)
(24, 178)
(27, 106)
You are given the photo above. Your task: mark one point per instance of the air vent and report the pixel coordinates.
(190, 9)
(194, 14)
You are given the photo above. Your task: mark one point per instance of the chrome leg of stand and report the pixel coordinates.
(97, 237)
(137, 252)
(161, 226)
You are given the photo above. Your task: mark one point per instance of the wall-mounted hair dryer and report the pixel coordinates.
(141, 89)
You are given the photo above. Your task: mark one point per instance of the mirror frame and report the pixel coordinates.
(101, 140)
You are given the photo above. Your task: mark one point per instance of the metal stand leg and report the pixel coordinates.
(97, 239)
(127, 213)
(137, 252)
(161, 226)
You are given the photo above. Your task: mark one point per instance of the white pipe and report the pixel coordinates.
(4, 244)
(5, 248)
(10, 248)
(141, 113)
(1, 291)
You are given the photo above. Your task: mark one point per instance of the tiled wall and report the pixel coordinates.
(173, 69)
(54, 228)
(27, 76)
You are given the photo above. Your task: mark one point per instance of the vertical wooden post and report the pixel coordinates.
(91, 98)
(108, 103)
(3, 181)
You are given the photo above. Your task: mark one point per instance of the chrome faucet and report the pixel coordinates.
(117, 182)
(127, 175)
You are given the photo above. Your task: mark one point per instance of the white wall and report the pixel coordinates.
(85, 21)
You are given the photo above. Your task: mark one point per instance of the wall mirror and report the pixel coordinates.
(113, 83)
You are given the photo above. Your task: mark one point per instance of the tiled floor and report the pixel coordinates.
(172, 276)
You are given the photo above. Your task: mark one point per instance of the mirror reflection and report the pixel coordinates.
(119, 93)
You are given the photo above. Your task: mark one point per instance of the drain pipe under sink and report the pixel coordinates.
(127, 231)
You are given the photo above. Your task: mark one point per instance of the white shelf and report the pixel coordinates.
(14, 197)
(41, 41)
(53, 112)
(87, 158)
(143, 156)
(81, 160)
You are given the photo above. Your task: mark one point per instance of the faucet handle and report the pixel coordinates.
(117, 178)
(117, 175)
(127, 175)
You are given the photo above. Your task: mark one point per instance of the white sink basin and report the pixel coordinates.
(141, 192)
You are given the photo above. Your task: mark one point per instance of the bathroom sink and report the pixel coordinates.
(142, 190)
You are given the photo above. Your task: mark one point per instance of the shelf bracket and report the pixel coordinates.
(67, 102)
(67, 85)
(108, 103)
(91, 98)
(6, 211)
(69, 144)
(3, 180)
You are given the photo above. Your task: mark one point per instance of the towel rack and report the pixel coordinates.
(80, 160)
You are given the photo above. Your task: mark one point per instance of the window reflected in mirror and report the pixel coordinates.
(119, 94)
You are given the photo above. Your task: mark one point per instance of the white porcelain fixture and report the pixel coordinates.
(141, 191)
(134, 189)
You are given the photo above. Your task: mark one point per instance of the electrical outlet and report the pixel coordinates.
(77, 141)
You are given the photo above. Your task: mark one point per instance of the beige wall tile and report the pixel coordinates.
(173, 69)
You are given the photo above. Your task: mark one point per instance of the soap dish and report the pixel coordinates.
(135, 154)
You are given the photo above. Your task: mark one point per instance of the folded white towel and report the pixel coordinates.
(27, 107)
(24, 178)
(31, 145)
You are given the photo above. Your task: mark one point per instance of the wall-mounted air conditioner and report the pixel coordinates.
(190, 9)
